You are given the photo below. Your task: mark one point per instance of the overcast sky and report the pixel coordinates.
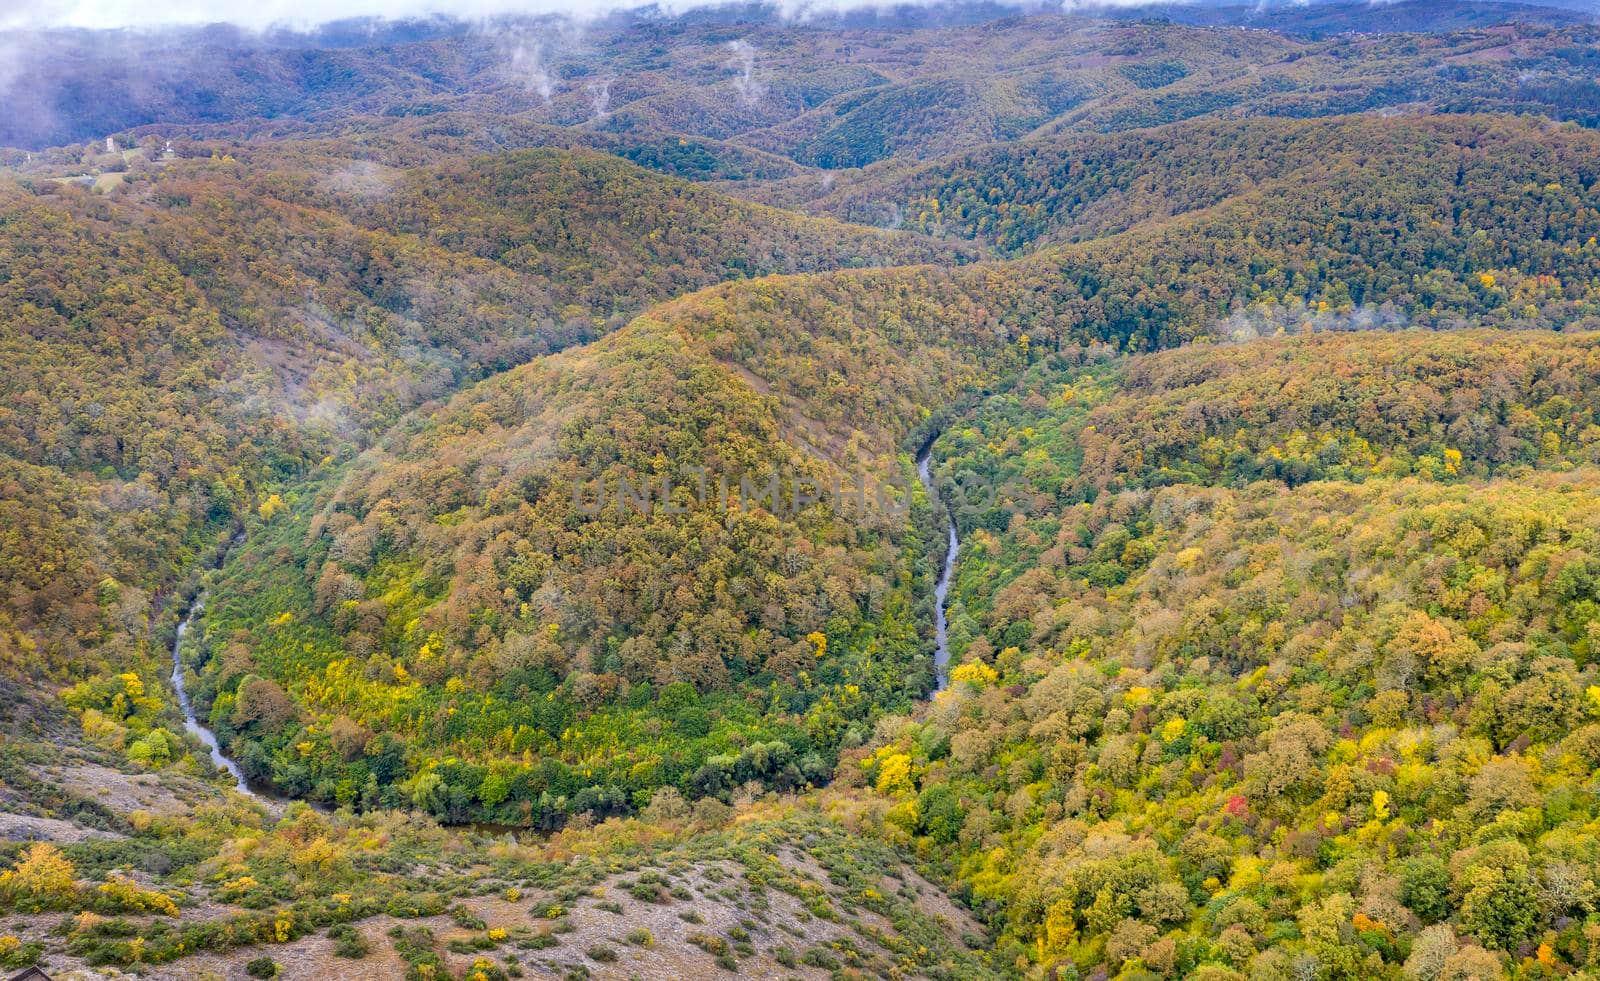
(303, 13)
(260, 13)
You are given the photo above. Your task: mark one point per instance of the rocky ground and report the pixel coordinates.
(776, 890)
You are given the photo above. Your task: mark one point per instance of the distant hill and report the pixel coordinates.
(1327, 17)
(824, 93)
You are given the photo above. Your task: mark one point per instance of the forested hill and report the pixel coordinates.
(1282, 637)
(455, 571)
(505, 387)
(219, 326)
(820, 96)
(1331, 18)
(1072, 187)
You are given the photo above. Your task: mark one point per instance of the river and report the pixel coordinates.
(941, 589)
(190, 720)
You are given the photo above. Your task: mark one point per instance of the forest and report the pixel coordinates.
(1332, 687)
(1254, 362)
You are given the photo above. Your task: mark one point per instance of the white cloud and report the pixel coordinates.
(256, 14)
(744, 61)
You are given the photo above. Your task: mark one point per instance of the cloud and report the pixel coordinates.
(599, 97)
(13, 61)
(527, 66)
(744, 61)
(28, 13)
(260, 14)
(1296, 317)
(362, 179)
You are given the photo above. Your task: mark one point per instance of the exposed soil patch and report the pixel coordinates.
(127, 792)
(25, 827)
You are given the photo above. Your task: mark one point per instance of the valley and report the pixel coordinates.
(191, 722)
(1225, 601)
(941, 588)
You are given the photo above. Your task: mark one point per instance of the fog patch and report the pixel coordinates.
(744, 61)
(1297, 317)
(293, 15)
(526, 65)
(361, 178)
(599, 98)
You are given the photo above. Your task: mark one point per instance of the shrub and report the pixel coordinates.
(348, 941)
(647, 892)
(14, 953)
(262, 967)
(44, 878)
(715, 946)
(465, 918)
(119, 894)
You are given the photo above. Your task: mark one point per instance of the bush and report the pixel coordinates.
(640, 937)
(43, 879)
(465, 918)
(262, 967)
(602, 953)
(715, 946)
(14, 953)
(646, 892)
(348, 941)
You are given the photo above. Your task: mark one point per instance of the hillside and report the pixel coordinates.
(1315, 698)
(214, 327)
(749, 92)
(494, 500)
(448, 579)
(1023, 195)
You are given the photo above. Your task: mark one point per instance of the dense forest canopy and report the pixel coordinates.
(219, 326)
(1298, 688)
(470, 394)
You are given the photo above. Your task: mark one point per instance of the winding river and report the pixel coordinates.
(941, 589)
(191, 722)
